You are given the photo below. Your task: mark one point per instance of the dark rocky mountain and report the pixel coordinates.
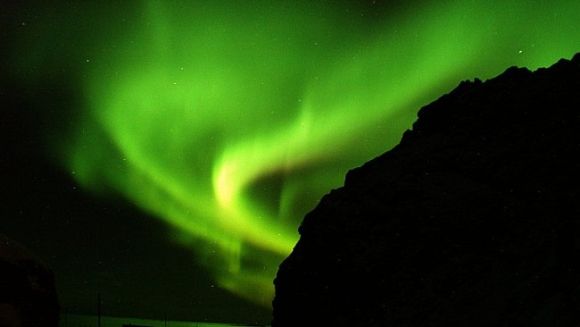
(472, 220)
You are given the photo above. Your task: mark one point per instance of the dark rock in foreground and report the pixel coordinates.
(472, 220)
(27, 291)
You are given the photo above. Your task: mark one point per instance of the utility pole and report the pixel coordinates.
(99, 309)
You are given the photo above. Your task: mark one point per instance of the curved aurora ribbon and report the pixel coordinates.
(229, 120)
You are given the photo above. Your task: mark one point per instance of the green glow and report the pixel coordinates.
(106, 321)
(229, 121)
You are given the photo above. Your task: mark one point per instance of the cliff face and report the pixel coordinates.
(472, 220)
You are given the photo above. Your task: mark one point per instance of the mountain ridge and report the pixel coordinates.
(470, 220)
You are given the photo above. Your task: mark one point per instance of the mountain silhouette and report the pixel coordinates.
(472, 220)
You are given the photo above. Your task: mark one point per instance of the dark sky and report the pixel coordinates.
(94, 244)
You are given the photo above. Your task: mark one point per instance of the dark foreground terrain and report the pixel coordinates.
(472, 220)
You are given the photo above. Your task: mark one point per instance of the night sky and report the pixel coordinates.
(163, 153)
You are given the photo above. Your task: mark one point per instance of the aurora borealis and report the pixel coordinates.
(229, 120)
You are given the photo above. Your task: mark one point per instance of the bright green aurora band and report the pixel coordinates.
(230, 120)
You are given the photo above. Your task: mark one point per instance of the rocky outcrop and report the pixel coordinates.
(27, 290)
(472, 220)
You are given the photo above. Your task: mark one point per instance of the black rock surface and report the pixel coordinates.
(472, 220)
(27, 289)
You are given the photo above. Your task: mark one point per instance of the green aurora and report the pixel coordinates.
(229, 120)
